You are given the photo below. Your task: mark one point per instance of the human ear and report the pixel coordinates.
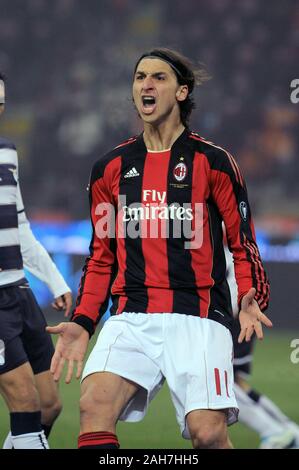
(182, 93)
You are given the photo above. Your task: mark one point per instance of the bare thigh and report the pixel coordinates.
(103, 397)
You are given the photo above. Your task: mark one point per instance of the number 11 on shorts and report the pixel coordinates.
(221, 379)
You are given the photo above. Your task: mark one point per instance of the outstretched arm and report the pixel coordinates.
(94, 287)
(230, 194)
(71, 347)
(251, 318)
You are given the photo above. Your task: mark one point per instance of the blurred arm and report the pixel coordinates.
(36, 259)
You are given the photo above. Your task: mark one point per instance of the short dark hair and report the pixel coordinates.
(186, 71)
(2, 77)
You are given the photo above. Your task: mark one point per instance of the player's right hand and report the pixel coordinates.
(71, 347)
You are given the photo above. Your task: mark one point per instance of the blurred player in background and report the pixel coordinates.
(171, 300)
(256, 410)
(26, 383)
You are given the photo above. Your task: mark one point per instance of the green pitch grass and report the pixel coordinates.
(273, 373)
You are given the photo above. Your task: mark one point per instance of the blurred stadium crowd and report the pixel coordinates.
(69, 67)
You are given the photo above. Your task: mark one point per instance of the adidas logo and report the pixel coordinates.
(133, 172)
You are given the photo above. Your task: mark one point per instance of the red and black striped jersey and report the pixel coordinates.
(156, 204)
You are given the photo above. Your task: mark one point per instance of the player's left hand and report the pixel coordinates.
(251, 317)
(63, 302)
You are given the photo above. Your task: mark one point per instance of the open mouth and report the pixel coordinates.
(148, 104)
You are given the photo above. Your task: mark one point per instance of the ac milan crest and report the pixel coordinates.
(180, 171)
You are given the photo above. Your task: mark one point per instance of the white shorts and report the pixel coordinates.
(193, 354)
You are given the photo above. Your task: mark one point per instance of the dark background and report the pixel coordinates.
(69, 71)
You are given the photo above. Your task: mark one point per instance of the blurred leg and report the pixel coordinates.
(50, 402)
(20, 393)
